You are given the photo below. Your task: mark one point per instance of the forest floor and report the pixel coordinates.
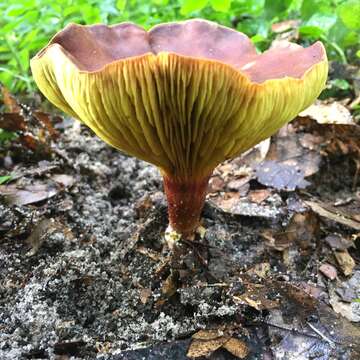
(85, 272)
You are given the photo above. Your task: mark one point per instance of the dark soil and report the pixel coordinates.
(96, 279)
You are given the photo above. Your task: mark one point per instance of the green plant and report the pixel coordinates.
(4, 179)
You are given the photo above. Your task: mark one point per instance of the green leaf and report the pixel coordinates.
(7, 135)
(16, 11)
(311, 31)
(160, 2)
(311, 7)
(276, 7)
(220, 5)
(258, 38)
(121, 4)
(349, 13)
(188, 6)
(341, 84)
(5, 179)
(24, 59)
(322, 21)
(351, 38)
(358, 53)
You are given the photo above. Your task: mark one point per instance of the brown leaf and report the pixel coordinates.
(257, 154)
(44, 119)
(260, 269)
(326, 211)
(345, 261)
(63, 179)
(239, 185)
(216, 183)
(9, 100)
(208, 334)
(29, 141)
(303, 228)
(350, 310)
(231, 203)
(256, 296)
(258, 196)
(169, 286)
(297, 149)
(29, 194)
(304, 323)
(41, 230)
(337, 138)
(144, 295)
(337, 242)
(275, 240)
(332, 113)
(329, 271)
(143, 206)
(12, 122)
(200, 348)
(237, 347)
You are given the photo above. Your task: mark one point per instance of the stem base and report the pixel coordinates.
(186, 200)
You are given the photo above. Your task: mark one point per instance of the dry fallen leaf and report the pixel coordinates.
(169, 286)
(205, 342)
(303, 229)
(275, 240)
(9, 100)
(232, 203)
(256, 296)
(216, 183)
(258, 196)
(332, 113)
(208, 334)
(12, 122)
(346, 262)
(44, 119)
(293, 147)
(257, 154)
(280, 176)
(337, 242)
(237, 347)
(42, 230)
(336, 138)
(144, 295)
(333, 214)
(63, 179)
(29, 194)
(350, 311)
(200, 348)
(329, 271)
(260, 269)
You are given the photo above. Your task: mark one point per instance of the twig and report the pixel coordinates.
(284, 328)
(329, 341)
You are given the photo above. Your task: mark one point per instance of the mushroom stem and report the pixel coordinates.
(186, 198)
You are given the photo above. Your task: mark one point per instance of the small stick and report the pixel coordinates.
(329, 341)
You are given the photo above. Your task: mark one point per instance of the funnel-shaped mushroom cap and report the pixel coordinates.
(183, 96)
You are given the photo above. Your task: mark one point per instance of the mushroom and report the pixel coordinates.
(184, 96)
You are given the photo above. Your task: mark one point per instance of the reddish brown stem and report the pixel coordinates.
(185, 202)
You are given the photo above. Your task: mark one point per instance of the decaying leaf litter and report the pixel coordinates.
(84, 271)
